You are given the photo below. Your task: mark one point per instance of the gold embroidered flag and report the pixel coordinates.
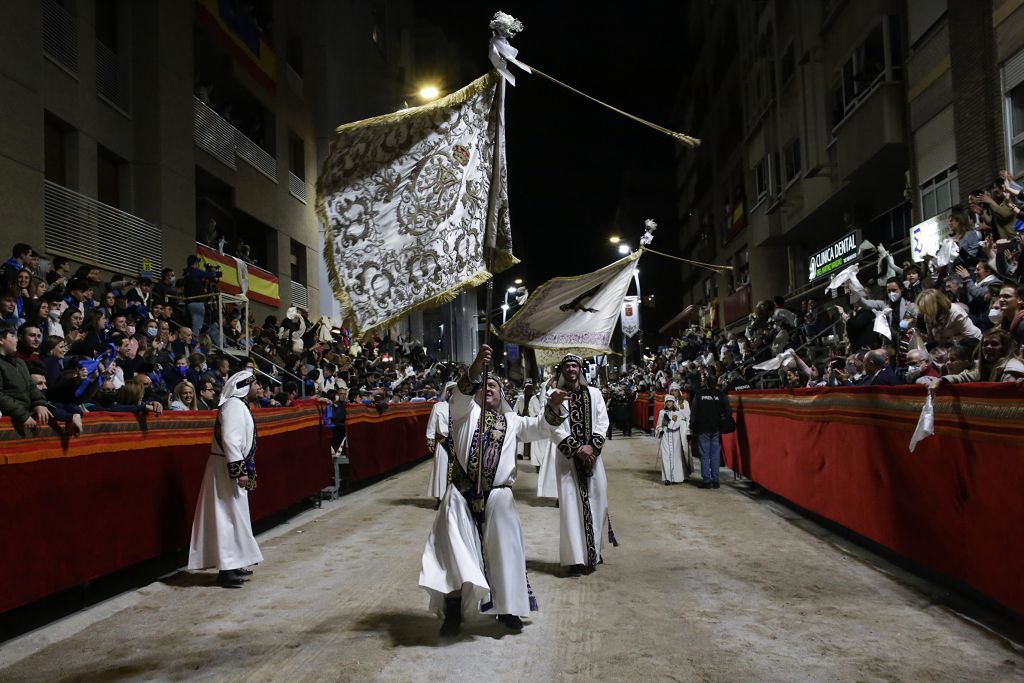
(404, 201)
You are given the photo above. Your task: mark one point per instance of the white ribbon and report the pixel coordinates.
(501, 53)
(775, 363)
(925, 424)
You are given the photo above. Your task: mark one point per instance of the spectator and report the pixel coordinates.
(1008, 312)
(184, 397)
(198, 284)
(139, 298)
(79, 295)
(94, 339)
(71, 323)
(30, 338)
(944, 322)
(52, 353)
(57, 276)
(166, 287)
(920, 364)
(37, 312)
(20, 399)
(197, 369)
(9, 309)
(996, 360)
(207, 399)
(23, 257)
(185, 343)
(131, 399)
(965, 236)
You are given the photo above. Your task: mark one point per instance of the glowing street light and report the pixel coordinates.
(624, 249)
(519, 280)
(511, 290)
(429, 92)
(614, 239)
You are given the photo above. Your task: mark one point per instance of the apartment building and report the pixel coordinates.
(128, 126)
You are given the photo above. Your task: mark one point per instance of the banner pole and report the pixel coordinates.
(490, 242)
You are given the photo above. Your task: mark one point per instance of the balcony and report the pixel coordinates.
(113, 79)
(736, 305)
(872, 135)
(299, 295)
(297, 187)
(89, 231)
(224, 142)
(60, 42)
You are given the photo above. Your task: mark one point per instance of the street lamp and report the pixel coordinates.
(624, 249)
(519, 280)
(429, 92)
(614, 239)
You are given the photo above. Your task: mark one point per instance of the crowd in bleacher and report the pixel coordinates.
(956, 316)
(75, 343)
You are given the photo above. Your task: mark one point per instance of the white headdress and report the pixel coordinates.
(237, 386)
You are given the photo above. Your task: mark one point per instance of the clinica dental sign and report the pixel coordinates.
(833, 257)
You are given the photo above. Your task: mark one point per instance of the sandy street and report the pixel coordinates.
(707, 585)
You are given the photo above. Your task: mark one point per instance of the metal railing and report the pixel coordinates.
(256, 156)
(278, 368)
(213, 133)
(92, 232)
(297, 187)
(113, 77)
(60, 40)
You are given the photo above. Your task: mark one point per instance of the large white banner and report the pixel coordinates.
(404, 200)
(926, 237)
(630, 316)
(574, 312)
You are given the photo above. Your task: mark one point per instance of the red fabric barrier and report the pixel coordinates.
(381, 443)
(641, 412)
(953, 506)
(125, 492)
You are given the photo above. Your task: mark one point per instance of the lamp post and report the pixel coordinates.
(626, 250)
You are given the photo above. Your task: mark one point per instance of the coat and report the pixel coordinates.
(18, 394)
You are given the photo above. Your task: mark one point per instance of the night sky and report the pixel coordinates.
(567, 154)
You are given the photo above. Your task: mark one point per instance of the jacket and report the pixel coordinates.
(706, 410)
(18, 394)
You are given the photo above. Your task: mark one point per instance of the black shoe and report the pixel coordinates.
(452, 617)
(704, 485)
(666, 483)
(714, 484)
(229, 579)
(437, 504)
(243, 571)
(537, 468)
(511, 621)
(557, 503)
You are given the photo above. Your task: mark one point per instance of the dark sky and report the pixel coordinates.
(566, 154)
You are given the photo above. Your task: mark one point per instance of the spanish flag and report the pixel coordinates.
(238, 277)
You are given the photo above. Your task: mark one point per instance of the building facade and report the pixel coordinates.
(129, 126)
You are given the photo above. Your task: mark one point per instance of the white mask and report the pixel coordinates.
(995, 314)
(913, 371)
(895, 296)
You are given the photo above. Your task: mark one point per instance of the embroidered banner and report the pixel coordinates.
(574, 312)
(630, 317)
(404, 199)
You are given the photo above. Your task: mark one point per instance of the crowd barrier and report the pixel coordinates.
(953, 506)
(125, 491)
(642, 410)
(383, 442)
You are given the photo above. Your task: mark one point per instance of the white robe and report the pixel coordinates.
(453, 558)
(533, 409)
(437, 431)
(222, 531)
(673, 426)
(547, 482)
(574, 544)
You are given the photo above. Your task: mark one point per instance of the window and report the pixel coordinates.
(939, 193)
(791, 160)
(294, 54)
(867, 66)
(57, 138)
(109, 172)
(741, 266)
(298, 262)
(1015, 127)
(296, 156)
(710, 290)
(762, 179)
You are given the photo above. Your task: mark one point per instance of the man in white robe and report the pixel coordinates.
(222, 530)
(475, 553)
(582, 485)
(438, 442)
(673, 447)
(547, 455)
(529, 404)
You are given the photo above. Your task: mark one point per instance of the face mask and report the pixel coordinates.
(55, 315)
(131, 330)
(995, 314)
(174, 279)
(181, 370)
(904, 324)
(203, 367)
(913, 372)
(151, 332)
(895, 296)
